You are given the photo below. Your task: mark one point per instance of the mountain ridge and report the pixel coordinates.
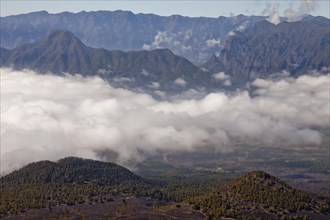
(265, 48)
(195, 38)
(61, 52)
(259, 51)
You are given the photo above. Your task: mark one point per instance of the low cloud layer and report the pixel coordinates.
(221, 76)
(50, 117)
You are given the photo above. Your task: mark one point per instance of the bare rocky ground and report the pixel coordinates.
(122, 207)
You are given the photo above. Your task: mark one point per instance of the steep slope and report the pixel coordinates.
(61, 52)
(194, 38)
(264, 49)
(4, 54)
(260, 195)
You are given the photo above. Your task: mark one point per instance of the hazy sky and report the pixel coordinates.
(194, 8)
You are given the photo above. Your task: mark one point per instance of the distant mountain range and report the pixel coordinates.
(61, 52)
(193, 38)
(262, 49)
(265, 48)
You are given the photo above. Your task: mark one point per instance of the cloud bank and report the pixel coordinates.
(50, 117)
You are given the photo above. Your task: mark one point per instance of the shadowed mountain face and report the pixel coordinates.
(4, 54)
(264, 49)
(194, 38)
(61, 52)
(257, 52)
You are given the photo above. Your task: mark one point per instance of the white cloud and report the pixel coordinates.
(154, 85)
(50, 117)
(180, 82)
(103, 71)
(272, 10)
(220, 76)
(296, 11)
(212, 42)
(161, 94)
(231, 33)
(146, 47)
(305, 7)
(227, 82)
(161, 40)
(122, 79)
(145, 72)
(173, 41)
(241, 28)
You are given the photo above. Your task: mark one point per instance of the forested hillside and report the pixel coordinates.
(263, 196)
(75, 181)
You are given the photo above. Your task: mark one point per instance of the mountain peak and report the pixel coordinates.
(260, 178)
(259, 174)
(39, 13)
(62, 35)
(63, 41)
(61, 52)
(269, 196)
(162, 50)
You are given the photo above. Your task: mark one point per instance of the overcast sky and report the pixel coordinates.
(195, 8)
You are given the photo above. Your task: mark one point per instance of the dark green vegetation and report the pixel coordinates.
(72, 170)
(73, 181)
(182, 183)
(69, 181)
(261, 195)
(71, 186)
